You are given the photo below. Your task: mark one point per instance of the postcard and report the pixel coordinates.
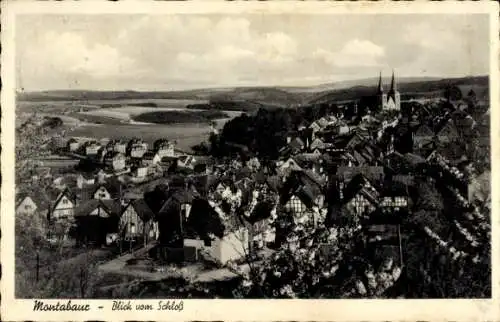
(249, 161)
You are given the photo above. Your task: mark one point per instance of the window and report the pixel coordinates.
(399, 201)
(65, 201)
(27, 207)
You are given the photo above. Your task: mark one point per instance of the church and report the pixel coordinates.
(391, 100)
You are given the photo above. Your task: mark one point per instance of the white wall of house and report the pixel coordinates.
(166, 151)
(122, 148)
(65, 208)
(130, 223)
(118, 163)
(26, 207)
(359, 205)
(102, 194)
(99, 211)
(233, 246)
(142, 172)
(295, 206)
(81, 181)
(74, 146)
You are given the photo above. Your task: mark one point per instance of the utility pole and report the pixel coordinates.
(400, 246)
(37, 265)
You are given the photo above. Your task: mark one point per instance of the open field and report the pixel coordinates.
(128, 113)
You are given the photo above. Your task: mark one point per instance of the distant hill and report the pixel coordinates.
(407, 87)
(272, 96)
(353, 83)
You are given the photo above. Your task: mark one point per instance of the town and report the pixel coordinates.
(333, 199)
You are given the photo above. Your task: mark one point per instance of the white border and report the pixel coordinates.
(317, 310)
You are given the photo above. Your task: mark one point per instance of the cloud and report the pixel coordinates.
(430, 37)
(171, 51)
(356, 52)
(68, 52)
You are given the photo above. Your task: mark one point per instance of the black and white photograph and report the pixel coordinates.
(252, 155)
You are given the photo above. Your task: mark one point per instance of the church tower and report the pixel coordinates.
(393, 97)
(381, 96)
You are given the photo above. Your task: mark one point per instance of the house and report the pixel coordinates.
(232, 246)
(374, 174)
(26, 205)
(30, 203)
(120, 146)
(187, 225)
(109, 190)
(203, 164)
(317, 144)
(115, 160)
(448, 133)
(479, 188)
(95, 220)
(422, 136)
(63, 208)
(136, 222)
(136, 148)
(323, 122)
(300, 192)
(259, 217)
(394, 196)
(296, 145)
(164, 148)
(140, 171)
(359, 197)
(150, 158)
(175, 210)
(315, 127)
(186, 161)
(92, 148)
(288, 165)
(73, 145)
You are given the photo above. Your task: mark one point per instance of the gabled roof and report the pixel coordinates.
(260, 212)
(111, 185)
(179, 196)
(296, 143)
(360, 184)
(372, 173)
(86, 207)
(449, 129)
(149, 155)
(424, 130)
(273, 182)
(317, 143)
(168, 159)
(322, 122)
(142, 209)
(39, 197)
(113, 154)
(315, 125)
(66, 192)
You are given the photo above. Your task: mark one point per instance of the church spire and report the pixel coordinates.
(393, 83)
(380, 87)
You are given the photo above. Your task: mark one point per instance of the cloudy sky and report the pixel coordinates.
(172, 52)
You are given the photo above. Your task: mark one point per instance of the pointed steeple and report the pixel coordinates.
(393, 83)
(380, 86)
